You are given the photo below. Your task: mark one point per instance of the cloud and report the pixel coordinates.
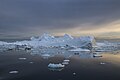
(37, 16)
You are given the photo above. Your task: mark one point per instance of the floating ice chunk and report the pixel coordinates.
(97, 55)
(80, 49)
(66, 60)
(74, 73)
(13, 72)
(31, 62)
(46, 55)
(52, 65)
(22, 58)
(102, 63)
(65, 63)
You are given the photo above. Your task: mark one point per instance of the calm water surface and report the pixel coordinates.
(34, 67)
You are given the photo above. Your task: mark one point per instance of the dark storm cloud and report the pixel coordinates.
(22, 15)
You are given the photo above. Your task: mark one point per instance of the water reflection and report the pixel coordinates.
(55, 69)
(47, 53)
(51, 52)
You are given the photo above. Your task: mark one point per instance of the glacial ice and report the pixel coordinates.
(102, 63)
(22, 58)
(13, 72)
(66, 42)
(47, 40)
(52, 65)
(79, 49)
(65, 62)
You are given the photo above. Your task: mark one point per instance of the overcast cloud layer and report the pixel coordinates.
(32, 17)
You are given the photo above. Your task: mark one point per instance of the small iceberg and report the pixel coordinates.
(80, 49)
(22, 58)
(74, 73)
(102, 63)
(65, 62)
(45, 55)
(97, 55)
(52, 65)
(13, 72)
(31, 62)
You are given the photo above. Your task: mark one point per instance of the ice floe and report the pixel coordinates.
(48, 40)
(102, 63)
(80, 49)
(74, 73)
(52, 65)
(13, 72)
(31, 62)
(22, 58)
(66, 60)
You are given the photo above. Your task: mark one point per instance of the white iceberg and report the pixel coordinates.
(31, 62)
(80, 49)
(47, 40)
(13, 72)
(52, 65)
(66, 60)
(46, 55)
(97, 55)
(74, 73)
(65, 63)
(102, 63)
(22, 58)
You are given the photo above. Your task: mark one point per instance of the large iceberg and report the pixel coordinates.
(47, 40)
(6, 46)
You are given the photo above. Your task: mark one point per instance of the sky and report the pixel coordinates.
(25, 18)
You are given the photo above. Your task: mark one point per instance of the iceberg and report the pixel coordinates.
(102, 63)
(6, 46)
(65, 62)
(47, 40)
(31, 62)
(80, 49)
(107, 46)
(13, 72)
(97, 54)
(52, 65)
(22, 58)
